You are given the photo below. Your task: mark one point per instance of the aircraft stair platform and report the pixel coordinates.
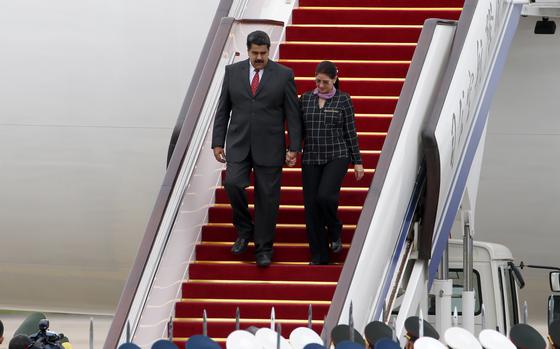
(398, 64)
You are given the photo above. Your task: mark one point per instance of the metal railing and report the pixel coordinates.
(171, 193)
(194, 132)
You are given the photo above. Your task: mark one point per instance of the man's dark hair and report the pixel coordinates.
(259, 38)
(1, 329)
(20, 341)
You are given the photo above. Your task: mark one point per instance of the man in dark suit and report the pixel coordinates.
(260, 95)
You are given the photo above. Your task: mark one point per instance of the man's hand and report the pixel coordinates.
(291, 157)
(219, 154)
(358, 172)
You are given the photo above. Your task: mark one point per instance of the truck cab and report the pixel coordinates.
(496, 285)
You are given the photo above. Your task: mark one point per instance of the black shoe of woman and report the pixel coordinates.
(336, 246)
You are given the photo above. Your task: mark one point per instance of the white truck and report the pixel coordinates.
(496, 282)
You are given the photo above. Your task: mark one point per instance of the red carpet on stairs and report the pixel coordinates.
(372, 42)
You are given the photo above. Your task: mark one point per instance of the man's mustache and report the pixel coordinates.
(259, 61)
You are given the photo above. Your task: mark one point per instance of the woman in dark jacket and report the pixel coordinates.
(330, 144)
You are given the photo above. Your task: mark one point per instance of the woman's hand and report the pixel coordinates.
(358, 172)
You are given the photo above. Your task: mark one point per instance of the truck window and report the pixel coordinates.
(510, 296)
(501, 280)
(457, 276)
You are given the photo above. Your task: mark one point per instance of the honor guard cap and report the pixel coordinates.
(201, 342)
(428, 343)
(490, 339)
(459, 338)
(314, 346)
(376, 330)
(412, 325)
(164, 344)
(342, 333)
(268, 339)
(526, 337)
(387, 343)
(241, 340)
(346, 344)
(554, 333)
(302, 336)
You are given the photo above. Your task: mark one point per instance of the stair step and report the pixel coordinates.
(374, 106)
(294, 196)
(222, 213)
(354, 51)
(372, 48)
(221, 328)
(358, 86)
(372, 15)
(221, 252)
(351, 69)
(284, 233)
(355, 33)
(260, 290)
(248, 271)
(227, 309)
(372, 123)
(383, 3)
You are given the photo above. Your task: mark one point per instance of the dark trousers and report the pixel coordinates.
(321, 191)
(267, 201)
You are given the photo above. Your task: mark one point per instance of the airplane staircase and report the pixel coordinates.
(372, 43)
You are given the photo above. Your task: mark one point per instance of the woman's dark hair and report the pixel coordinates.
(328, 68)
(259, 38)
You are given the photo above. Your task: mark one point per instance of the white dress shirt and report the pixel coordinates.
(252, 73)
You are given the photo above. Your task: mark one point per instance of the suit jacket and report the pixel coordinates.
(256, 123)
(329, 132)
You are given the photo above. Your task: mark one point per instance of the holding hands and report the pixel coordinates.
(291, 158)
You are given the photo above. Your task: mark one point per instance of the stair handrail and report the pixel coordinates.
(464, 106)
(340, 298)
(472, 9)
(176, 180)
(224, 7)
(169, 197)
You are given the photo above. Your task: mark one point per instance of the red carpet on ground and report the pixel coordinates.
(372, 42)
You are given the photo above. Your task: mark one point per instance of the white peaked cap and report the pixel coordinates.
(242, 340)
(302, 336)
(267, 339)
(491, 339)
(459, 338)
(428, 343)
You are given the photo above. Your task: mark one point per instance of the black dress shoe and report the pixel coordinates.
(239, 246)
(263, 260)
(336, 246)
